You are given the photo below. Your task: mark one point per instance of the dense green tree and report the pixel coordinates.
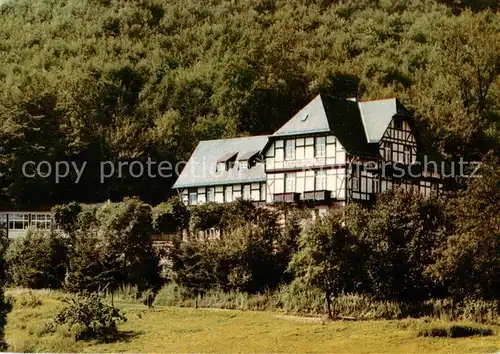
(5, 306)
(37, 260)
(401, 233)
(467, 261)
(65, 216)
(246, 260)
(111, 246)
(89, 267)
(4, 244)
(91, 81)
(205, 217)
(323, 257)
(170, 217)
(251, 253)
(193, 269)
(464, 72)
(125, 230)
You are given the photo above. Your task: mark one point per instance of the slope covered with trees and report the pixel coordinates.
(97, 80)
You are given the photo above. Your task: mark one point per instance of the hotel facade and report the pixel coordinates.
(332, 151)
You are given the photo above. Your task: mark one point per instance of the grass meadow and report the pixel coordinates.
(175, 329)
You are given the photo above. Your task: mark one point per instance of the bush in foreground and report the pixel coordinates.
(29, 300)
(453, 331)
(89, 317)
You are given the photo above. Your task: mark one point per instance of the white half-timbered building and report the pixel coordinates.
(332, 151)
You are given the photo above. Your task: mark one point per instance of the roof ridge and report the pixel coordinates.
(236, 138)
(378, 100)
(363, 122)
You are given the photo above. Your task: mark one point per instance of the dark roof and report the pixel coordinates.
(344, 119)
(358, 133)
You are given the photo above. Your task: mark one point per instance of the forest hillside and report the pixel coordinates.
(98, 80)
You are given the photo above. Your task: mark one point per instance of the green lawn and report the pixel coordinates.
(207, 330)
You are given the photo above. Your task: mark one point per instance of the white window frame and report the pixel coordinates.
(290, 182)
(320, 180)
(210, 194)
(290, 149)
(355, 183)
(320, 148)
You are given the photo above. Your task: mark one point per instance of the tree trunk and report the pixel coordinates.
(329, 304)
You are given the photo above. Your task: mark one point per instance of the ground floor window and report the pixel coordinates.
(18, 221)
(41, 221)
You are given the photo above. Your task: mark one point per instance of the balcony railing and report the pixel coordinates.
(286, 197)
(323, 195)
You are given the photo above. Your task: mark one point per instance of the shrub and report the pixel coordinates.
(5, 307)
(299, 298)
(37, 260)
(170, 295)
(29, 300)
(453, 331)
(481, 311)
(89, 316)
(126, 293)
(473, 310)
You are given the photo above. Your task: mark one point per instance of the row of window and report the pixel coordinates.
(299, 145)
(21, 221)
(240, 165)
(426, 188)
(398, 152)
(305, 181)
(300, 148)
(368, 183)
(225, 194)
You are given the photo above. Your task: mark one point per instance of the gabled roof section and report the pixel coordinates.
(310, 119)
(377, 115)
(201, 169)
(359, 126)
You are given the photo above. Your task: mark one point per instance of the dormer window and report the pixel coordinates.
(247, 159)
(226, 161)
(221, 166)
